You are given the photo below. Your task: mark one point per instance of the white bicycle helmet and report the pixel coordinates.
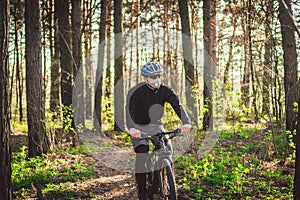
(151, 68)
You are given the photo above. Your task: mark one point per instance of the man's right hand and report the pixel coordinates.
(135, 133)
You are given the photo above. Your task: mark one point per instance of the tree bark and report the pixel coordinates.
(245, 85)
(267, 79)
(78, 101)
(55, 63)
(208, 66)
(44, 47)
(251, 62)
(76, 35)
(19, 80)
(290, 64)
(230, 54)
(100, 67)
(213, 19)
(108, 81)
(62, 12)
(5, 151)
(290, 82)
(34, 81)
(188, 59)
(77, 70)
(119, 114)
(297, 164)
(88, 58)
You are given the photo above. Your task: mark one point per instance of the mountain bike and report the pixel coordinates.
(159, 166)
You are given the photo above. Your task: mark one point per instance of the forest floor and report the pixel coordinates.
(258, 176)
(106, 183)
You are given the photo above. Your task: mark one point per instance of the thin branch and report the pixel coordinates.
(291, 16)
(68, 46)
(137, 16)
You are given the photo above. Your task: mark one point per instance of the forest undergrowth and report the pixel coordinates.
(248, 162)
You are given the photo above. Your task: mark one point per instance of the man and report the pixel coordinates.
(144, 111)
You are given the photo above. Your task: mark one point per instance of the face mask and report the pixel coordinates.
(154, 83)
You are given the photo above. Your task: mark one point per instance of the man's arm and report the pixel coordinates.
(130, 114)
(130, 109)
(173, 99)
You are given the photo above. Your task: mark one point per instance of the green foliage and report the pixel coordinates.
(60, 188)
(19, 126)
(52, 121)
(50, 171)
(205, 108)
(238, 168)
(68, 118)
(72, 150)
(295, 104)
(107, 109)
(291, 143)
(170, 119)
(123, 137)
(224, 172)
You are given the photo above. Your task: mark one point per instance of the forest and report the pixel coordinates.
(67, 66)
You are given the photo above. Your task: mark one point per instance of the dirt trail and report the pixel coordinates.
(107, 183)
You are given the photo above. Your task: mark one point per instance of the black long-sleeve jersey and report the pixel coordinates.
(146, 106)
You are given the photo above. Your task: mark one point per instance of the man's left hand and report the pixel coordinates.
(186, 128)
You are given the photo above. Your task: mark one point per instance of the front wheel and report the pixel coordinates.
(166, 180)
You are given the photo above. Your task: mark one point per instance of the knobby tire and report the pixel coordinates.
(166, 180)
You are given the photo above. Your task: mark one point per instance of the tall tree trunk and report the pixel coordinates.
(277, 92)
(62, 11)
(55, 62)
(290, 64)
(246, 76)
(208, 66)
(297, 164)
(76, 35)
(175, 60)
(188, 59)
(230, 54)
(137, 22)
(251, 63)
(290, 81)
(88, 58)
(99, 72)
(267, 79)
(5, 151)
(44, 47)
(18, 70)
(34, 81)
(119, 122)
(108, 88)
(129, 74)
(77, 70)
(214, 35)
(165, 35)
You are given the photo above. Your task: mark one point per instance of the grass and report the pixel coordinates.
(248, 162)
(242, 165)
(52, 171)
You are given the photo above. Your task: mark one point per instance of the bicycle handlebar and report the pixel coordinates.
(172, 134)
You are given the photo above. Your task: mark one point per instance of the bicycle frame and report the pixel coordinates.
(159, 156)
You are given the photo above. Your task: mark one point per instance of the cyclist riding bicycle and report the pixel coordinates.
(144, 111)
